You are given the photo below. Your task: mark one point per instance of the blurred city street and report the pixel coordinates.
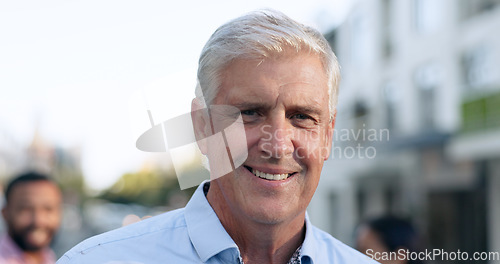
(417, 130)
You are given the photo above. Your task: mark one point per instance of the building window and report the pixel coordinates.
(471, 8)
(335, 213)
(360, 44)
(361, 113)
(478, 66)
(386, 24)
(427, 15)
(390, 97)
(427, 79)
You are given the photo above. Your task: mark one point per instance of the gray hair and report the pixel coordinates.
(260, 35)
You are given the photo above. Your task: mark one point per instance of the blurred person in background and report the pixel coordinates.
(388, 237)
(32, 214)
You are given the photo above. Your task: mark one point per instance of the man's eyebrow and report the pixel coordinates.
(308, 109)
(251, 105)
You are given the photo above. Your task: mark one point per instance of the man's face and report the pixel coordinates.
(285, 110)
(33, 214)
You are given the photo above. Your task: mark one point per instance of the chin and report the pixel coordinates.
(26, 243)
(272, 214)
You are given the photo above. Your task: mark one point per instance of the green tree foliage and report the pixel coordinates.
(148, 188)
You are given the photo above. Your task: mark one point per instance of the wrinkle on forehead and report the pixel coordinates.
(268, 66)
(254, 95)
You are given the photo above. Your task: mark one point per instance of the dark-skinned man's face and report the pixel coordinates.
(33, 214)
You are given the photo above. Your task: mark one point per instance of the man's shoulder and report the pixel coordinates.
(337, 251)
(122, 242)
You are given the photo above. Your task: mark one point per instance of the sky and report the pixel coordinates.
(78, 70)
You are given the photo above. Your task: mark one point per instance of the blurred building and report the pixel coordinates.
(11, 160)
(39, 155)
(418, 124)
(11, 154)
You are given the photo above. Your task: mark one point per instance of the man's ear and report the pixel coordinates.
(201, 123)
(4, 212)
(329, 137)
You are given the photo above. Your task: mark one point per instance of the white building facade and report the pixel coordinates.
(418, 124)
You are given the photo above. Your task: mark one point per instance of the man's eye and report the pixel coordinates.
(301, 116)
(303, 120)
(248, 112)
(250, 116)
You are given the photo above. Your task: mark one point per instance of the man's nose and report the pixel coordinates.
(38, 218)
(276, 141)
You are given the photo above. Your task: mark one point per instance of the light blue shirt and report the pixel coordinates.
(193, 234)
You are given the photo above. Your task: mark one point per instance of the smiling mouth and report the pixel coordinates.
(269, 176)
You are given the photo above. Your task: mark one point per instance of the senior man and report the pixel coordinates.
(282, 78)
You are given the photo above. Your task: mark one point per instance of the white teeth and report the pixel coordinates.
(268, 176)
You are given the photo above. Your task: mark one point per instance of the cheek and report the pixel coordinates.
(255, 140)
(52, 214)
(254, 134)
(311, 147)
(21, 219)
(54, 219)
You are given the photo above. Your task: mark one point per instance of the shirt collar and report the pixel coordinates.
(8, 249)
(204, 227)
(205, 230)
(309, 247)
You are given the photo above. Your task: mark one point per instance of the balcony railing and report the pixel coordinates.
(481, 113)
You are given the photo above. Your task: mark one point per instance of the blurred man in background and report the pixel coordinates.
(32, 215)
(388, 239)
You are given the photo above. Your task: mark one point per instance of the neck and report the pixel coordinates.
(34, 256)
(259, 242)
